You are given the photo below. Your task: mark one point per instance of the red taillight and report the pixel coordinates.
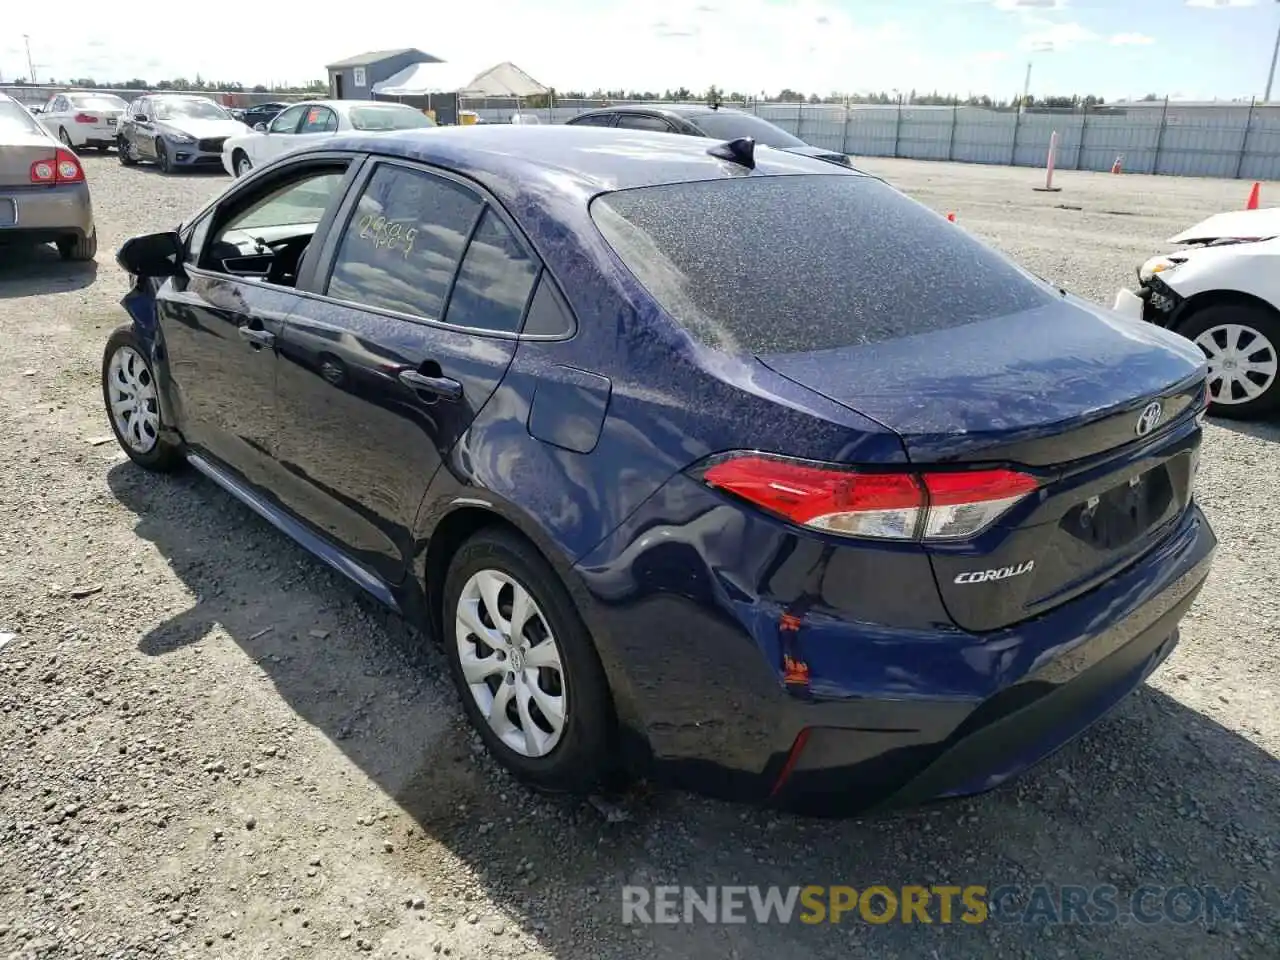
(86, 118)
(901, 505)
(63, 168)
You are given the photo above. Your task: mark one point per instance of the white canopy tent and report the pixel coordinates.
(425, 79)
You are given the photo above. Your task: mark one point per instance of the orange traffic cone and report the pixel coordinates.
(951, 217)
(1253, 196)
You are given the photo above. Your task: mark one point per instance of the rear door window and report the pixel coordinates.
(638, 121)
(402, 245)
(784, 264)
(495, 281)
(594, 120)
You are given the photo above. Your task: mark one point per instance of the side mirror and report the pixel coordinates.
(153, 255)
(260, 127)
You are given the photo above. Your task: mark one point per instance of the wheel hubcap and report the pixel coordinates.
(1242, 363)
(511, 663)
(132, 396)
(243, 167)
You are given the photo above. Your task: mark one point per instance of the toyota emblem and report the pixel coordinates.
(1149, 419)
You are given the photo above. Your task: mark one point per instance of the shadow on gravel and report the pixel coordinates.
(1157, 795)
(37, 271)
(1268, 429)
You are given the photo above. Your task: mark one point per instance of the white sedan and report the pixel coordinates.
(312, 121)
(1222, 290)
(81, 119)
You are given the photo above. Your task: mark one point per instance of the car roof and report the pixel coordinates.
(516, 161)
(671, 109)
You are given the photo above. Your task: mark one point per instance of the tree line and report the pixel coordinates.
(712, 94)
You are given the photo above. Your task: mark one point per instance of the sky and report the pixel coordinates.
(1187, 49)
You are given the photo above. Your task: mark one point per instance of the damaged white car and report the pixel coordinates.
(1222, 290)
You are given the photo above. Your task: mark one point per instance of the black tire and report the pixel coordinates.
(240, 163)
(124, 153)
(79, 248)
(163, 457)
(1262, 323)
(582, 758)
(65, 139)
(162, 157)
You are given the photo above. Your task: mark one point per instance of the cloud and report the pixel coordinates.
(1131, 40)
(1029, 4)
(1219, 4)
(1056, 36)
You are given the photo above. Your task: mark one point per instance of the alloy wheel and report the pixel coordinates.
(1242, 363)
(132, 395)
(243, 166)
(511, 663)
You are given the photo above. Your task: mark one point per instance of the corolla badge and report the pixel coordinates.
(1000, 573)
(1149, 418)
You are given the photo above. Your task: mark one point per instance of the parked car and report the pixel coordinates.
(259, 113)
(44, 197)
(176, 131)
(1222, 290)
(35, 108)
(315, 121)
(719, 123)
(82, 119)
(728, 466)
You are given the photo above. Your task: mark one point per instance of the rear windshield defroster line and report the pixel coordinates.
(787, 264)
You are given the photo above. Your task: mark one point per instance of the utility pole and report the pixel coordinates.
(1026, 89)
(31, 67)
(1266, 97)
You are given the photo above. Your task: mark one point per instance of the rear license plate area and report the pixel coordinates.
(1116, 518)
(111, 121)
(8, 212)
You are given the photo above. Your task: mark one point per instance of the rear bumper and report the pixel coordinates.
(46, 214)
(889, 717)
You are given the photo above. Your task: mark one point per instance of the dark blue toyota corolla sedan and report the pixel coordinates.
(706, 462)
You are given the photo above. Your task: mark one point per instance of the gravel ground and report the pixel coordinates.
(212, 747)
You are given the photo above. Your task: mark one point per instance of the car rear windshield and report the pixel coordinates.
(16, 119)
(392, 117)
(91, 102)
(731, 126)
(784, 264)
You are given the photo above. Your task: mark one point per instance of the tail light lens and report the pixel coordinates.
(86, 118)
(63, 168)
(902, 505)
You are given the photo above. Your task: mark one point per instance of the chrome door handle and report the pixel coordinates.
(446, 387)
(259, 338)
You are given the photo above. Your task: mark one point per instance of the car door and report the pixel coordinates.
(221, 320)
(408, 326)
(318, 124)
(279, 138)
(54, 114)
(141, 125)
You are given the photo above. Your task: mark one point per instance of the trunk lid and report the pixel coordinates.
(18, 151)
(1059, 390)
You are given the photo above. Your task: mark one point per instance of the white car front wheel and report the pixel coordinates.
(1240, 343)
(242, 164)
